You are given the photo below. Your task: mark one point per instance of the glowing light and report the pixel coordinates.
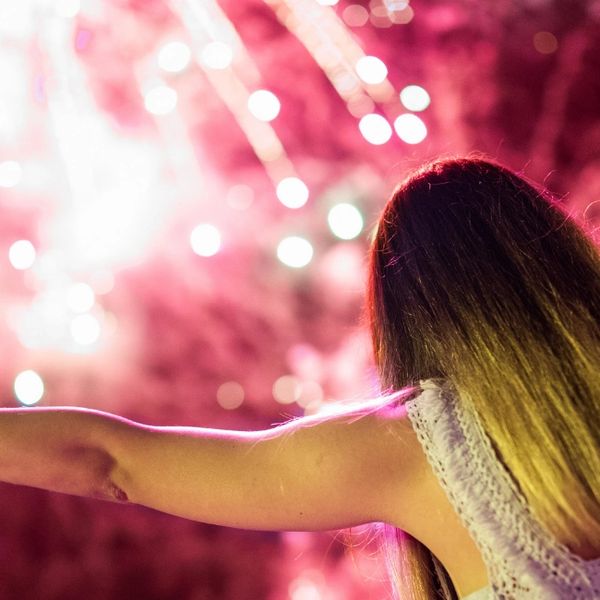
(414, 97)
(10, 173)
(205, 240)
(264, 105)
(160, 100)
(327, 2)
(410, 128)
(230, 395)
(85, 329)
(302, 588)
(21, 255)
(28, 387)
(545, 42)
(80, 297)
(345, 221)
(355, 15)
(371, 69)
(295, 252)
(217, 55)
(287, 389)
(375, 129)
(67, 8)
(240, 197)
(174, 57)
(292, 192)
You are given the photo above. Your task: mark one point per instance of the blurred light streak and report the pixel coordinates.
(207, 24)
(331, 45)
(104, 218)
(13, 99)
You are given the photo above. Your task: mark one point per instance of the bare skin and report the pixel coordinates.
(301, 476)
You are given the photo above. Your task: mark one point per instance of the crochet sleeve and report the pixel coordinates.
(523, 560)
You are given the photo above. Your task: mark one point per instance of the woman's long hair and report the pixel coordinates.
(481, 278)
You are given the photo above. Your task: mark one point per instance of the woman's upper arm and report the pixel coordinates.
(300, 476)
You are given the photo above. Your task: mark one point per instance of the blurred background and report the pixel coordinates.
(187, 193)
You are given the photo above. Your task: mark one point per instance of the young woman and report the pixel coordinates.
(482, 456)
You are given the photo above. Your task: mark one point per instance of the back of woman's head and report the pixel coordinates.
(480, 277)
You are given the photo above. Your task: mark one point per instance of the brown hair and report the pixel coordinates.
(480, 277)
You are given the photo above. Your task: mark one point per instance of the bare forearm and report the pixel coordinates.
(58, 449)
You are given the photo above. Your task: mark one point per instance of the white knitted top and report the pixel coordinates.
(524, 561)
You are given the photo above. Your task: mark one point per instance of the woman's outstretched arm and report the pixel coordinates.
(309, 474)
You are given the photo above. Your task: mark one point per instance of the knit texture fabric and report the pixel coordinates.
(523, 560)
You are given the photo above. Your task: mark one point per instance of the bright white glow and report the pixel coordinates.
(292, 192)
(21, 255)
(414, 97)
(410, 128)
(264, 105)
(371, 69)
(217, 55)
(67, 8)
(295, 252)
(85, 329)
(327, 2)
(160, 100)
(28, 387)
(375, 129)
(80, 297)
(10, 173)
(205, 240)
(230, 395)
(345, 221)
(287, 389)
(174, 57)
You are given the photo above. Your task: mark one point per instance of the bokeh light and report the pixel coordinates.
(216, 55)
(371, 70)
(230, 395)
(375, 129)
(10, 173)
(287, 389)
(311, 394)
(85, 329)
(160, 100)
(264, 105)
(80, 297)
(355, 15)
(328, 2)
(174, 57)
(410, 128)
(414, 97)
(21, 254)
(295, 251)
(292, 192)
(345, 221)
(205, 240)
(28, 387)
(545, 42)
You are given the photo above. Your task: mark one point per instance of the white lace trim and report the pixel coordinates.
(523, 560)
